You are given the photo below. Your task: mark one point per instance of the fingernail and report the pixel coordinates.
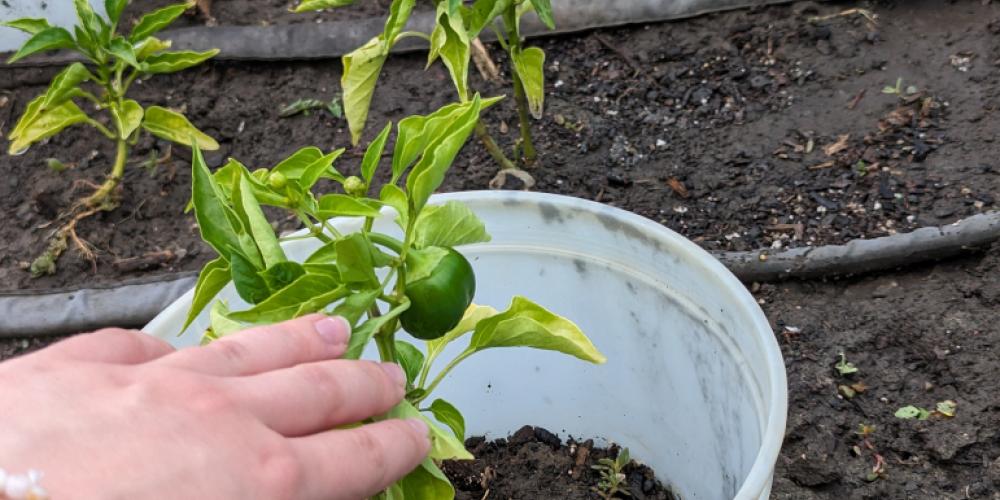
(395, 372)
(419, 426)
(333, 329)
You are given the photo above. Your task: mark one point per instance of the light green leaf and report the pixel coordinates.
(526, 324)
(473, 315)
(325, 254)
(444, 444)
(212, 278)
(90, 21)
(341, 205)
(356, 305)
(48, 39)
(174, 127)
(355, 260)
(210, 210)
(361, 335)
(155, 21)
(410, 358)
(225, 177)
(912, 412)
(295, 165)
(250, 213)
(128, 118)
(150, 46)
(123, 50)
(249, 284)
(86, 43)
(169, 62)
(420, 263)
(530, 64)
(447, 414)
(395, 197)
(429, 171)
(544, 10)
(374, 154)
(450, 42)
(321, 167)
(28, 25)
(361, 70)
(222, 324)
(399, 14)
(946, 408)
(65, 84)
(482, 13)
(449, 225)
(426, 482)
(282, 274)
(310, 5)
(309, 289)
(43, 124)
(114, 9)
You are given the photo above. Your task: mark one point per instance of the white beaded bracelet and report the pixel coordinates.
(22, 486)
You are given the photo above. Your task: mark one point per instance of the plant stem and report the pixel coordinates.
(440, 376)
(492, 148)
(387, 241)
(100, 197)
(514, 42)
(313, 228)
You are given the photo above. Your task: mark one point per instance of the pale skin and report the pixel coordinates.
(118, 414)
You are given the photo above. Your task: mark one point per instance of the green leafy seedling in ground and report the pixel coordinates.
(944, 409)
(381, 284)
(845, 367)
(457, 26)
(898, 90)
(113, 61)
(612, 482)
(306, 106)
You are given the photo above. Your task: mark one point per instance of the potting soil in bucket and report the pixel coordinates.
(694, 385)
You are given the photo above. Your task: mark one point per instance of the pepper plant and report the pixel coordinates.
(112, 63)
(457, 24)
(382, 284)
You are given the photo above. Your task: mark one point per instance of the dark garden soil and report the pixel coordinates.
(534, 463)
(257, 12)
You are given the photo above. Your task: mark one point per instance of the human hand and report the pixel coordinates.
(121, 414)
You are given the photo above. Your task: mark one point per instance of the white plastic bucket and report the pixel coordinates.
(694, 384)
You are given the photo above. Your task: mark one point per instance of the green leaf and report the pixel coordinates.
(212, 279)
(449, 225)
(310, 289)
(321, 167)
(89, 20)
(341, 205)
(395, 197)
(295, 165)
(28, 25)
(356, 305)
(150, 46)
(355, 260)
(250, 213)
(282, 274)
(420, 263)
(210, 210)
(174, 127)
(526, 324)
(399, 14)
(447, 414)
(410, 358)
(222, 324)
(361, 335)
(450, 42)
(544, 10)
(530, 64)
(123, 50)
(429, 171)
(310, 5)
(374, 154)
(845, 367)
(65, 84)
(225, 177)
(114, 9)
(37, 125)
(249, 283)
(361, 70)
(48, 39)
(946, 408)
(912, 412)
(87, 44)
(324, 255)
(473, 315)
(170, 62)
(128, 118)
(482, 13)
(426, 482)
(155, 21)
(444, 444)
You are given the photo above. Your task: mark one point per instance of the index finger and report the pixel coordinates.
(314, 337)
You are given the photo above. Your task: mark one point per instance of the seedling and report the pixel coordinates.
(845, 367)
(944, 409)
(113, 61)
(414, 281)
(612, 480)
(898, 90)
(453, 40)
(306, 106)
